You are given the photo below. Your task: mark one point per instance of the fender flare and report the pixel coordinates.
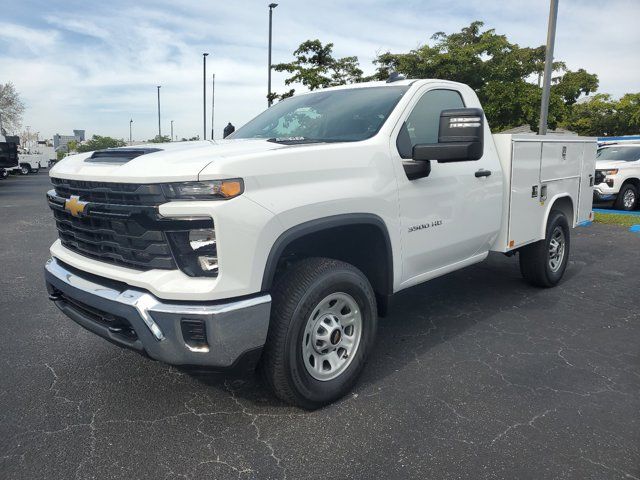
(572, 221)
(319, 224)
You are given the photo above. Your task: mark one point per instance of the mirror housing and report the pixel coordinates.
(460, 137)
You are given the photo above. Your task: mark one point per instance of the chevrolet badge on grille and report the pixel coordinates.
(75, 206)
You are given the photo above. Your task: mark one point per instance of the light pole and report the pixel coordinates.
(159, 130)
(548, 67)
(213, 99)
(130, 135)
(204, 95)
(172, 130)
(271, 7)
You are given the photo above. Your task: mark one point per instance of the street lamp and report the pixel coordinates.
(130, 135)
(271, 7)
(548, 67)
(213, 99)
(204, 95)
(172, 130)
(159, 130)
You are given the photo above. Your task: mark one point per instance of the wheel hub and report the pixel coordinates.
(332, 336)
(629, 199)
(335, 336)
(556, 249)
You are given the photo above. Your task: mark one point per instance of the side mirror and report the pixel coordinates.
(460, 137)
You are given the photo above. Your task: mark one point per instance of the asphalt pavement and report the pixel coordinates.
(474, 375)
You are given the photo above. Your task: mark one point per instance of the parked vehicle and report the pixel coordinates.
(282, 244)
(8, 154)
(617, 176)
(30, 163)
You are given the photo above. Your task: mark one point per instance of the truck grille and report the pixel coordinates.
(119, 224)
(114, 193)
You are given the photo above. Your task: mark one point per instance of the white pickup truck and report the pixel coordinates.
(617, 175)
(282, 244)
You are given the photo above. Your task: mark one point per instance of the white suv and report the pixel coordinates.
(618, 175)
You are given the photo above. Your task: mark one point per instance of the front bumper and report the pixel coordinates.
(603, 197)
(132, 318)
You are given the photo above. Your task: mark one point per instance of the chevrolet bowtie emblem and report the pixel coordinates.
(74, 205)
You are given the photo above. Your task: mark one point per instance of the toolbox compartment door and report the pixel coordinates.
(587, 177)
(525, 212)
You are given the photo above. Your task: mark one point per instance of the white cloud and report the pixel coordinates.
(98, 66)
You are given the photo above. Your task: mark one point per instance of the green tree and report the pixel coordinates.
(11, 108)
(72, 146)
(315, 67)
(98, 142)
(160, 139)
(602, 115)
(502, 73)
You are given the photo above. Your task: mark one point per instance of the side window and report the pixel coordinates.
(424, 120)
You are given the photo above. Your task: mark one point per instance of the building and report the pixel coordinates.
(60, 142)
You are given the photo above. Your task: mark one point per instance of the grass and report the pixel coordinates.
(617, 219)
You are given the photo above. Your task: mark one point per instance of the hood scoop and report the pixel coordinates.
(119, 155)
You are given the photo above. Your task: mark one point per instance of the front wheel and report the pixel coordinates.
(323, 325)
(627, 198)
(25, 169)
(543, 263)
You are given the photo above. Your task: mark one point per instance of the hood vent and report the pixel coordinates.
(119, 155)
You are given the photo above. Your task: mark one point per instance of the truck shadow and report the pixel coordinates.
(427, 317)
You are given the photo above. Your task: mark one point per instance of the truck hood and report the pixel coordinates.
(608, 164)
(155, 163)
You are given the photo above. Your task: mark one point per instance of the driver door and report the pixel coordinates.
(448, 216)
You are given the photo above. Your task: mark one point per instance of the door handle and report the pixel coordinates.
(483, 173)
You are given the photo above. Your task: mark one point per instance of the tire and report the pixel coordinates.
(299, 308)
(3, 174)
(25, 169)
(537, 264)
(627, 198)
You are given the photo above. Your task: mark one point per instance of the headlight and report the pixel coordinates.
(195, 251)
(207, 190)
(610, 172)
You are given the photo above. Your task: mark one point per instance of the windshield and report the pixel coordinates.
(628, 154)
(332, 116)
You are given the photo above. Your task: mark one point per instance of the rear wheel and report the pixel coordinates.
(627, 198)
(3, 174)
(322, 328)
(25, 168)
(543, 263)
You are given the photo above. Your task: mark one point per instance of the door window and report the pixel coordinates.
(423, 122)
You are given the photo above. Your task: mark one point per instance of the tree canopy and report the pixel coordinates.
(505, 76)
(602, 115)
(98, 142)
(160, 139)
(11, 108)
(315, 67)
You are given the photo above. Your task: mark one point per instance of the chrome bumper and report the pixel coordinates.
(234, 329)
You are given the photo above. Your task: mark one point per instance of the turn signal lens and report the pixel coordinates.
(231, 188)
(613, 171)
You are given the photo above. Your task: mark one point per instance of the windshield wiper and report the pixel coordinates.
(293, 140)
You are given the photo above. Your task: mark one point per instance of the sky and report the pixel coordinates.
(94, 65)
